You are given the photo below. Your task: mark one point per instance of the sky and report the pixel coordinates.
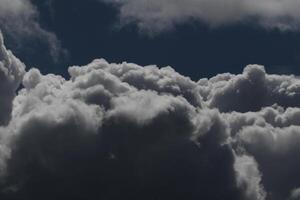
(149, 99)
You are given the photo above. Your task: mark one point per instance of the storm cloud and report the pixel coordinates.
(124, 131)
(161, 15)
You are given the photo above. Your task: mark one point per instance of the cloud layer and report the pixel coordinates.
(122, 131)
(156, 16)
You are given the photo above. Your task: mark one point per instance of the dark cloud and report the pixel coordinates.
(122, 131)
(132, 145)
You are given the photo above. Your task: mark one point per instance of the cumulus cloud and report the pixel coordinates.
(19, 20)
(123, 131)
(250, 91)
(127, 145)
(156, 16)
(275, 147)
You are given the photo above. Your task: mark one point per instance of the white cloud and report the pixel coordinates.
(160, 15)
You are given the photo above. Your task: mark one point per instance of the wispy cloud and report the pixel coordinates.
(161, 15)
(19, 19)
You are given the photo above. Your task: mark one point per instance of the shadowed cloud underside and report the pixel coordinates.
(123, 131)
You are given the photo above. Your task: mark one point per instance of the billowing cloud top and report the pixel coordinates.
(122, 131)
(160, 15)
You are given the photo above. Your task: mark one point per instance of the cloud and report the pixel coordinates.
(275, 147)
(19, 21)
(271, 137)
(249, 177)
(250, 91)
(61, 129)
(156, 16)
(295, 194)
(123, 131)
(11, 72)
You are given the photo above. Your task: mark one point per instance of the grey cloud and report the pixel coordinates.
(11, 72)
(123, 131)
(58, 139)
(156, 16)
(250, 91)
(276, 150)
(295, 194)
(271, 137)
(163, 81)
(249, 177)
(19, 20)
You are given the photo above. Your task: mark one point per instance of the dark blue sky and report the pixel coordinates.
(87, 30)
